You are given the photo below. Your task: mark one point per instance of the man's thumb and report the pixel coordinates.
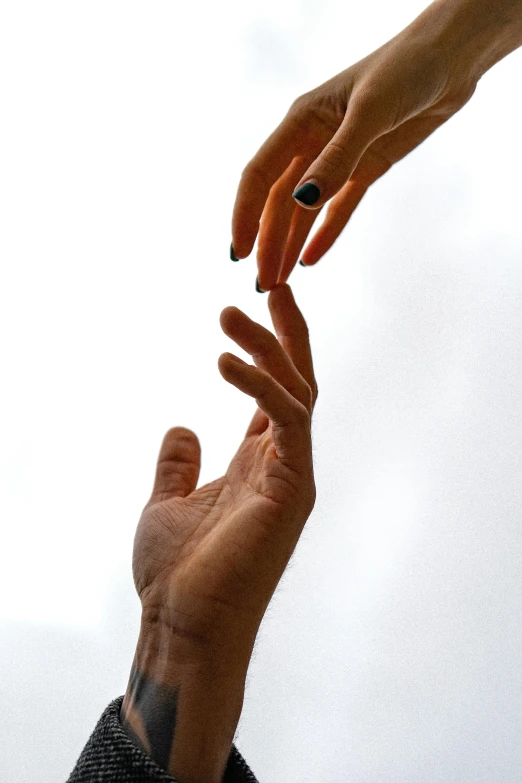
(178, 466)
(338, 160)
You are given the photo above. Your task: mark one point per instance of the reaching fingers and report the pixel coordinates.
(376, 161)
(300, 227)
(290, 418)
(338, 214)
(362, 124)
(275, 224)
(267, 353)
(371, 166)
(265, 168)
(283, 381)
(303, 147)
(292, 333)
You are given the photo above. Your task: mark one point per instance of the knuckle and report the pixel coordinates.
(309, 396)
(302, 414)
(266, 342)
(254, 171)
(457, 97)
(364, 97)
(366, 111)
(264, 381)
(298, 106)
(315, 393)
(333, 158)
(334, 153)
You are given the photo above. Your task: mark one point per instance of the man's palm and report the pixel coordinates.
(208, 560)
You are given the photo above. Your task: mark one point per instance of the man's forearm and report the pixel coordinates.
(182, 707)
(478, 32)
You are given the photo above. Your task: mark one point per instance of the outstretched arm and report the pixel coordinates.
(207, 561)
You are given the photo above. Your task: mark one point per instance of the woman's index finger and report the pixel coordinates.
(268, 164)
(292, 332)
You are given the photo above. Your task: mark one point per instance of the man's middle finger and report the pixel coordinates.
(292, 333)
(300, 227)
(266, 351)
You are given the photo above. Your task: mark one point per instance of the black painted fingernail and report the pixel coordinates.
(307, 194)
(259, 290)
(302, 263)
(232, 256)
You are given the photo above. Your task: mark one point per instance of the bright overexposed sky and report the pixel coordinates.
(391, 650)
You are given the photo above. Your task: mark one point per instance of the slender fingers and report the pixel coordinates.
(340, 156)
(376, 161)
(338, 214)
(372, 165)
(275, 224)
(293, 334)
(287, 359)
(267, 353)
(289, 417)
(265, 168)
(300, 227)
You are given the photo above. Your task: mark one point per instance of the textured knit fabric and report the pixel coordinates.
(111, 755)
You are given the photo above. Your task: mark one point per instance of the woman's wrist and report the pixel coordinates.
(476, 34)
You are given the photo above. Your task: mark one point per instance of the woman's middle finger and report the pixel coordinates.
(275, 224)
(300, 227)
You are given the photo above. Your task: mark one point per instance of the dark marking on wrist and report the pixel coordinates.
(156, 704)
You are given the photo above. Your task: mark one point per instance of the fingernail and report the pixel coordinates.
(302, 263)
(259, 290)
(307, 194)
(232, 256)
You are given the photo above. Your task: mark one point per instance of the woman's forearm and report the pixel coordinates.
(478, 32)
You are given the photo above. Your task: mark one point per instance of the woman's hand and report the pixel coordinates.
(206, 561)
(341, 137)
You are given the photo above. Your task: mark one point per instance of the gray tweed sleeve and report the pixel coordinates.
(111, 756)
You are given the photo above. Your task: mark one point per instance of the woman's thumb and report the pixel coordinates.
(338, 160)
(179, 463)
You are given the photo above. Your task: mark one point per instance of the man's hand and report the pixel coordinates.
(206, 561)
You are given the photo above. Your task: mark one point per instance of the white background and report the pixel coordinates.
(391, 651)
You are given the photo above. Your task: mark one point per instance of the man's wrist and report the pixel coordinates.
(182, 705)
(476, 33)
